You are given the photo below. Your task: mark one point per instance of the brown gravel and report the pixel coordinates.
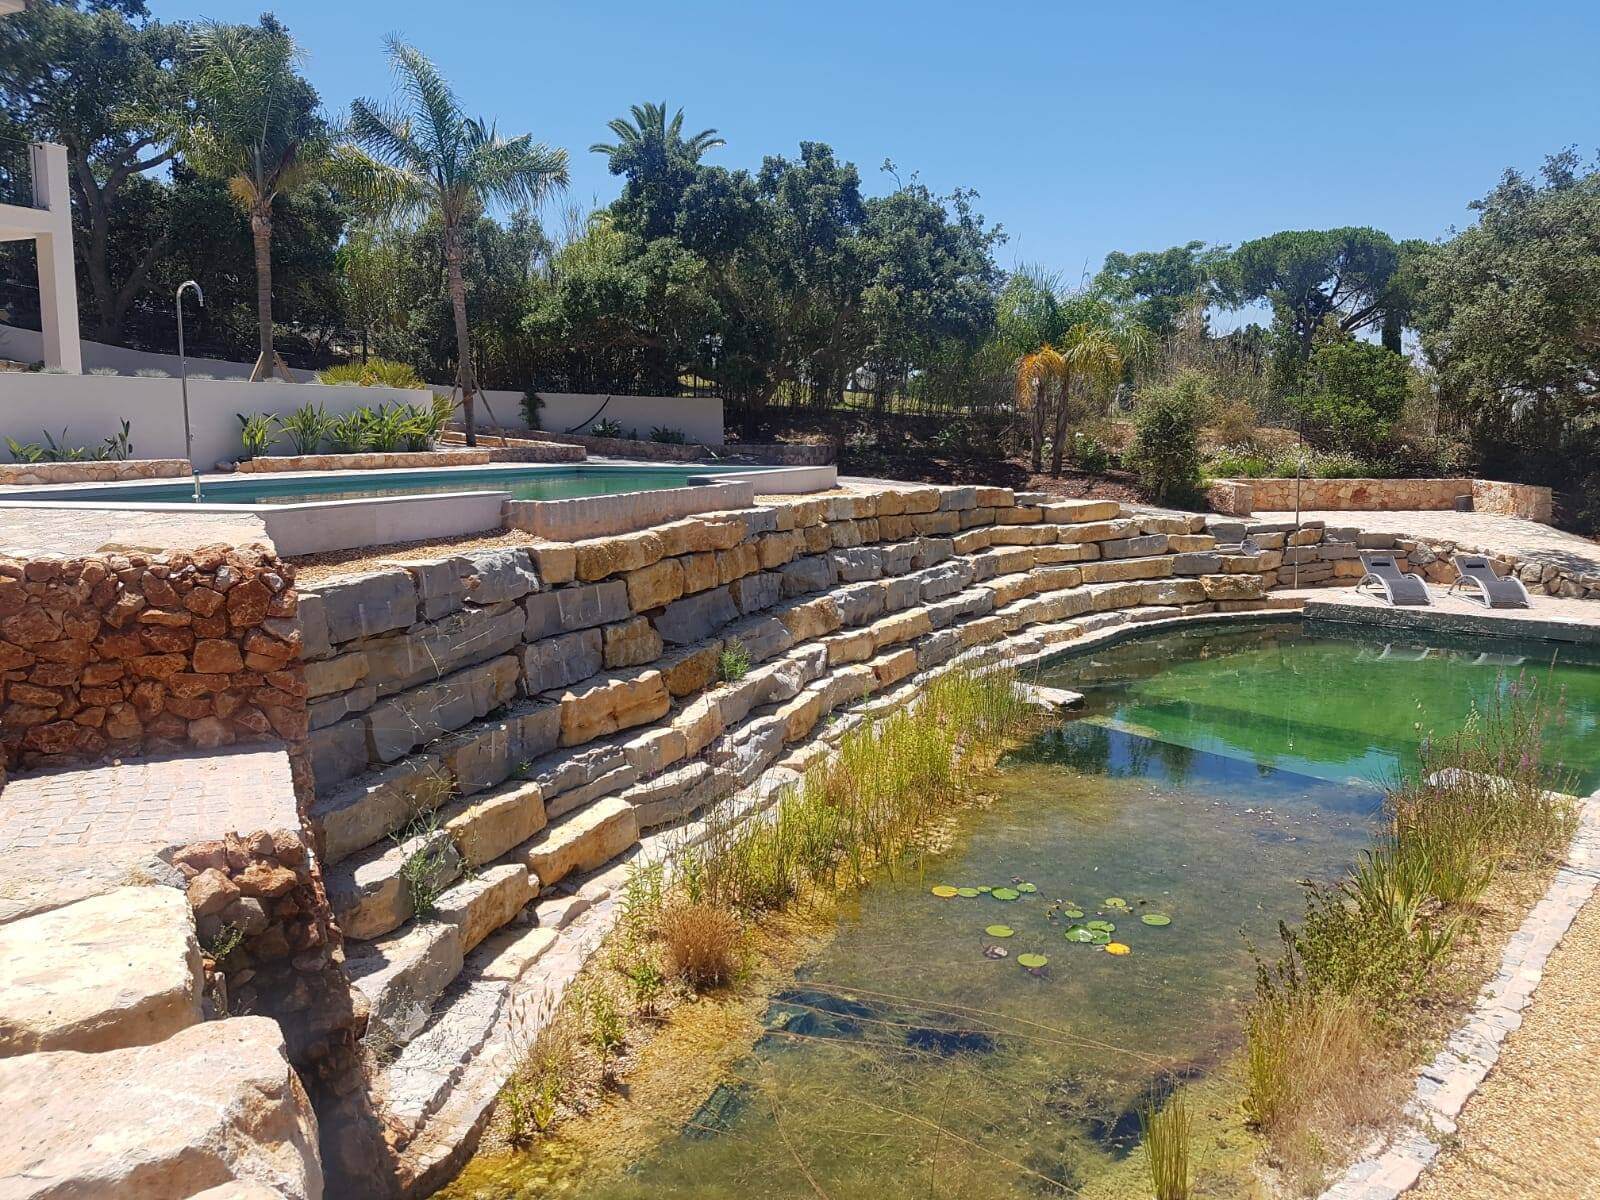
(313, 568)
(1532, 1132)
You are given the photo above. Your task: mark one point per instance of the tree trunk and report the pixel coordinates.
(458, 304)
(261, 233)
(1037, 417)
(1058, 447)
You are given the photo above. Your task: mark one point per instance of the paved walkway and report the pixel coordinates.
(80, 529)
(69, 833)
(1485, 533)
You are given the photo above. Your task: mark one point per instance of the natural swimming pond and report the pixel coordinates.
(924, 1051)
(531, 483)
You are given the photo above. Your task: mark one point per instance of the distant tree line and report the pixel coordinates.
(410, 231)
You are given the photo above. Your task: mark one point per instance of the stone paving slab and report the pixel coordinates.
(1551, 618)
(1484, 533)
(70, 833)
(70, 531)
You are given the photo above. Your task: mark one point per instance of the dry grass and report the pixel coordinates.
(701, 943)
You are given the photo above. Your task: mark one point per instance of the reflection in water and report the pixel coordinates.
(1210, 774)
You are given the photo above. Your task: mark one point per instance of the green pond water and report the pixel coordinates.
(1210, 773)
(546, 483)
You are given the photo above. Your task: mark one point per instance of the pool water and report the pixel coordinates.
(534, 483)
(1211, 773)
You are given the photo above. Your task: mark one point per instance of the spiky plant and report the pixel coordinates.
(422, 154)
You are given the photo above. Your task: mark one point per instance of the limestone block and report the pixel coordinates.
(611, 701)
(1108, 596)
(480, 905)
(556, 562)
(400, 724)
(900, 593)
(1232, 587)
(939, 523)
(853, 646)
(935, 583)
(1022, 535)
(1012, 587)
(655, 749)
(971, 541)
(1239, 564)
(655, 586)
(599, 557)
(1066, 552)
(902, 627)
(361, 606)
(485, 827)
(1173, 591)
(800, 714)
(1073, 512)
(1051, 579)
(700, 723)
(401, 975)
(738, 562)
(939, 648)
(756, 592)
(1118, 569)
(985, 629)
(808, 619)
(689, 669)
(994, 497)
(860, 603)
(762, 637)
(440, 589)
(1134, 547)
(337, 752)
(583, 840)
(554, 662)
(855, 566)
(569, 609)
(495, 576)
(1018, 515)
(891, 668)
(777, 549)
(1196, 564)
(115, 970)
(437, 648)
(1189, 543)
(695, 618)
(374, 805)
(897, 559)
(478, 757)
(370, 894)
(813, 573)
(332, 675)
(214, 1103)
(535, 729)
(631, 643)
(329, 709)
(974, 603)
(850, 683)
(574, 770)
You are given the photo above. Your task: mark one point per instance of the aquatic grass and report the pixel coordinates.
(702, 943)
(1167, 1133)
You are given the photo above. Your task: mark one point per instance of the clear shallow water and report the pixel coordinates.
(1212, 772)
(549, 483)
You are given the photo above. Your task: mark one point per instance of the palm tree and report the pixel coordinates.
(650, 134)
(255, 125)
(425, 155)
(1041, 376)
(1093, 358)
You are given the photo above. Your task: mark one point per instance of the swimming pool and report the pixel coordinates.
(523, 483)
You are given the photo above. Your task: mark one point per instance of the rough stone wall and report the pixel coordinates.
(785, 453)
(129, 654)
(270, 945)
(1240, 497)
(111, 471)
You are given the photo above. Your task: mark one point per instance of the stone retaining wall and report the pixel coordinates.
(371, 460)
(775, 453)
(129, 654)
(93, 472)
(1240, 497)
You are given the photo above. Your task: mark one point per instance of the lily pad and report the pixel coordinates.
(1027, 888)
(1000, 931)
(1115, 902)
(944, 891)
(1157, 919)
(1100, 938)
(1005, 893)
(983, 887)
(1101, 926)
(1079, 933)
(1032, 961)
(967, 893)
(1116, 948)
(1072, 914)
(993, 951)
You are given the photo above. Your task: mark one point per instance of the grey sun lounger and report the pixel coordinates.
(1476, 578)
(1384, 575)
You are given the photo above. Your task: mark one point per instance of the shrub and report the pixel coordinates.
(1090, 454)
(375, 372)
(117, 447)
(256, 432)
(1165, 453)
(305, 427)
(606, 429)
(425, 424)
(545, 1066)
(350, 433)
(702, 943)
(388, 426)
(670, 437)
(1357, 393)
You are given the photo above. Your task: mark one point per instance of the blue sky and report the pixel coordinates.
(1085, 127)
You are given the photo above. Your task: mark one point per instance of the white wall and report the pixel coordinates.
(92, 408)
(27, 345)
(700, 418)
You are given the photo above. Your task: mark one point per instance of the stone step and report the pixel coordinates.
(372, 892)
(581, 840)
(112, 971)
(364, 811)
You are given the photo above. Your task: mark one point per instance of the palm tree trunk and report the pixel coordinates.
(458, 303)
(1037, 419)
(261, 234)
(1060, 443)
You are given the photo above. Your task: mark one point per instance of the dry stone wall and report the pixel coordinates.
(130, 654)
(1240, 497)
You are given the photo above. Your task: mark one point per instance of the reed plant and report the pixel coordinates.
(1167, 1133)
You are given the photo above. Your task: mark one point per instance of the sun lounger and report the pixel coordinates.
(1383, 574)
(1476, 579)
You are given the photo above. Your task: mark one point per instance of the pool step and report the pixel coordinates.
(581, 841)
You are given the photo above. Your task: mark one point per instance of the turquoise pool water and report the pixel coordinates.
(532, 483)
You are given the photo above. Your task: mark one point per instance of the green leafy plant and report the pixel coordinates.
(256, 432)
(305, 427)
(228, 939)
(606, 429)
(1090, 453)
(666, 436)
(1165, 453)
(430, 865)
(604, 1028)
(532, 408)
(388, 427)
(426, 423)
(351, 432)
(24, 452)
(733, 664)
(375, 372)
